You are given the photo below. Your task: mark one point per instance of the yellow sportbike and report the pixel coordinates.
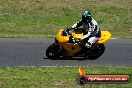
(65, 46)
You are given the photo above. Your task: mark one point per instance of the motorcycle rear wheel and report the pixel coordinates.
(96, 52)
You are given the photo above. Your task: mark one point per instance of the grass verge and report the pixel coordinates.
(46, 17)
(56, 77)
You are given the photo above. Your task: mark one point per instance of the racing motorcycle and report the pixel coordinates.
(65, 45)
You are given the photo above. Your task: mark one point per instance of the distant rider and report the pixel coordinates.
(91, 29)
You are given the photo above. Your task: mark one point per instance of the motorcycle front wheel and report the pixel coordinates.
(53, 51)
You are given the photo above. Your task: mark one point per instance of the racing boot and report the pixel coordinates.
(88, 45)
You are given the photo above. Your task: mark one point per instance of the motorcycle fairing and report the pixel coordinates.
(105, 35)
(72, 48)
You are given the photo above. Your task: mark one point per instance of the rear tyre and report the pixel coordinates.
(97, 51)
(53, 51)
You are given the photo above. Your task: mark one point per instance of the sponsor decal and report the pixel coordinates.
(101, 78)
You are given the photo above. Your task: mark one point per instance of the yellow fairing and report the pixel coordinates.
(61, 38)
(105, 35)
(70, 48)
(77, 36)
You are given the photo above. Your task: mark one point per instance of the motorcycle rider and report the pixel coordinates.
(90, 28)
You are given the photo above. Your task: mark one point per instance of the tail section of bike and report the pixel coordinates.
(105, 35)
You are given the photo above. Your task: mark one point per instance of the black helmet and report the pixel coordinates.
(86, 16)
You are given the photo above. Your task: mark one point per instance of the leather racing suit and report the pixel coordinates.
(91, 31)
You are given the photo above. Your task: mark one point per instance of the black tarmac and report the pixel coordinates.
(31, 52)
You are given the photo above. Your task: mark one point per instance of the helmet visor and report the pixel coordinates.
(87, 18)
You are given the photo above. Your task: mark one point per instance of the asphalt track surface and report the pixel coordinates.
(31, 52)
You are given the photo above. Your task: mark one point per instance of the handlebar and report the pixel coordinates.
(66, 31)
(73, 40)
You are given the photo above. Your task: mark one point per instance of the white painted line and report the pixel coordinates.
(114, 38)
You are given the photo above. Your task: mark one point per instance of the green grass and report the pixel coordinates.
(39, 18)
(56, 77)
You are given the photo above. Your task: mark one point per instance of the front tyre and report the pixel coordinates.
(53, 51)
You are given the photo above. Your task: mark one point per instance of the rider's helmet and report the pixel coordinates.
(86, 16)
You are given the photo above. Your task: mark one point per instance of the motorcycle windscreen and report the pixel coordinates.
(105, 35)
(62, 38)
